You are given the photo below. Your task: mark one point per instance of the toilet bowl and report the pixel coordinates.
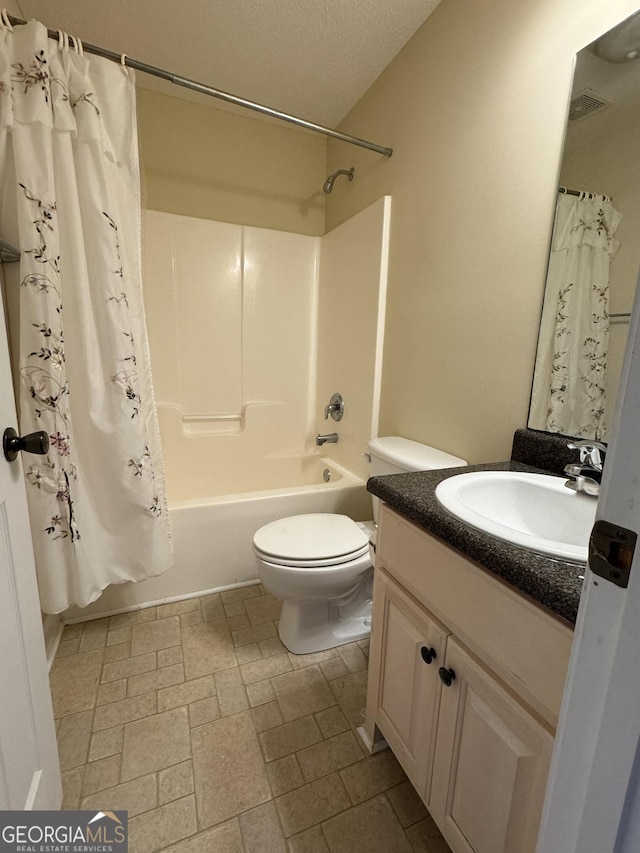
(321, 565)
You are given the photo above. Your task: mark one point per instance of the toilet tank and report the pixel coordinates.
(396, 455)
(393, 454)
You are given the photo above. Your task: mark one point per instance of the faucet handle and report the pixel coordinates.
(335, 408)
(592, 452)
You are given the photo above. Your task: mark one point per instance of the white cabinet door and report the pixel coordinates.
(408, 646)
(29, 768)
(491, 763)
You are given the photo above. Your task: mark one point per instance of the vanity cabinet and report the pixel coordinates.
(465, 682)
(411, 650)
(490, 764)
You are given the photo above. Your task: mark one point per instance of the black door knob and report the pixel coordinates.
(12, 443)
(447, 676)
(428, 654)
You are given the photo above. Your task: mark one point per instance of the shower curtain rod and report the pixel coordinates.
(575, 192)
(223, 96)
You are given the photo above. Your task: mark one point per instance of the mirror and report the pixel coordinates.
(595, 247)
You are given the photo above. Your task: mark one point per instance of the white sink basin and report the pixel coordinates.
(534, 511)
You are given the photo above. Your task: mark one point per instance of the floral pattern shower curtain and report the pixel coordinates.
(570, 378)
(71, 198)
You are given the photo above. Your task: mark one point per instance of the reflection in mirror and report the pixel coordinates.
(595, 247)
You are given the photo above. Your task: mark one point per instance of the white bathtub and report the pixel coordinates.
(213, 537)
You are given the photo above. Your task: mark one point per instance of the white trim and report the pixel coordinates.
(169, 600)
(372, 747)
(34, 790)
(382, 316)
(52, 637)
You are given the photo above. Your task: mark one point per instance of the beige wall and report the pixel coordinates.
(474, 107)
(198, 160)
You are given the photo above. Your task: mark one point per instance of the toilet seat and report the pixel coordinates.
(311, 541)
(326, 563)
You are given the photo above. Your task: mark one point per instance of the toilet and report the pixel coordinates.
(321, 564)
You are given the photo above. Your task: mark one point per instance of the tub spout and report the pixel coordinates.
(330, 438)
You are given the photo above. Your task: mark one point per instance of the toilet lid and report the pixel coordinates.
(318, 536)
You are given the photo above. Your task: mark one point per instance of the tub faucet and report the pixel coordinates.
(586, 474)
(330, 438)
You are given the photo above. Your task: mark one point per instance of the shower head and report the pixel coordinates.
(328, 184)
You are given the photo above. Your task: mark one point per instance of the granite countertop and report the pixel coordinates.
(553, 583)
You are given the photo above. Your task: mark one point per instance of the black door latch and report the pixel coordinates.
(611, 550)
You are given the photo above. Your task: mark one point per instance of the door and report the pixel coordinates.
(593, 797)
(29, 767)
(491, 762)
(410, 648)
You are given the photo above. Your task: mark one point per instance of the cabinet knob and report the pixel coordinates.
(428, 654)
(447, 676)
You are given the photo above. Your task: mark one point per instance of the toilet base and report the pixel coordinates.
(307, 627)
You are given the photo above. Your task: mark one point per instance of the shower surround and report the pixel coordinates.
(251, 331)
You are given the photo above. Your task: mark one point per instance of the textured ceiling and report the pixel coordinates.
(313, 58)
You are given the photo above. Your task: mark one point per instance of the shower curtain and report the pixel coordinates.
(570, 378)
(70, 183)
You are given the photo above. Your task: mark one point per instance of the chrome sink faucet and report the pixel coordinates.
(586, 474)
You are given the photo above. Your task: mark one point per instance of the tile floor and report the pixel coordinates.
(195, 718)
